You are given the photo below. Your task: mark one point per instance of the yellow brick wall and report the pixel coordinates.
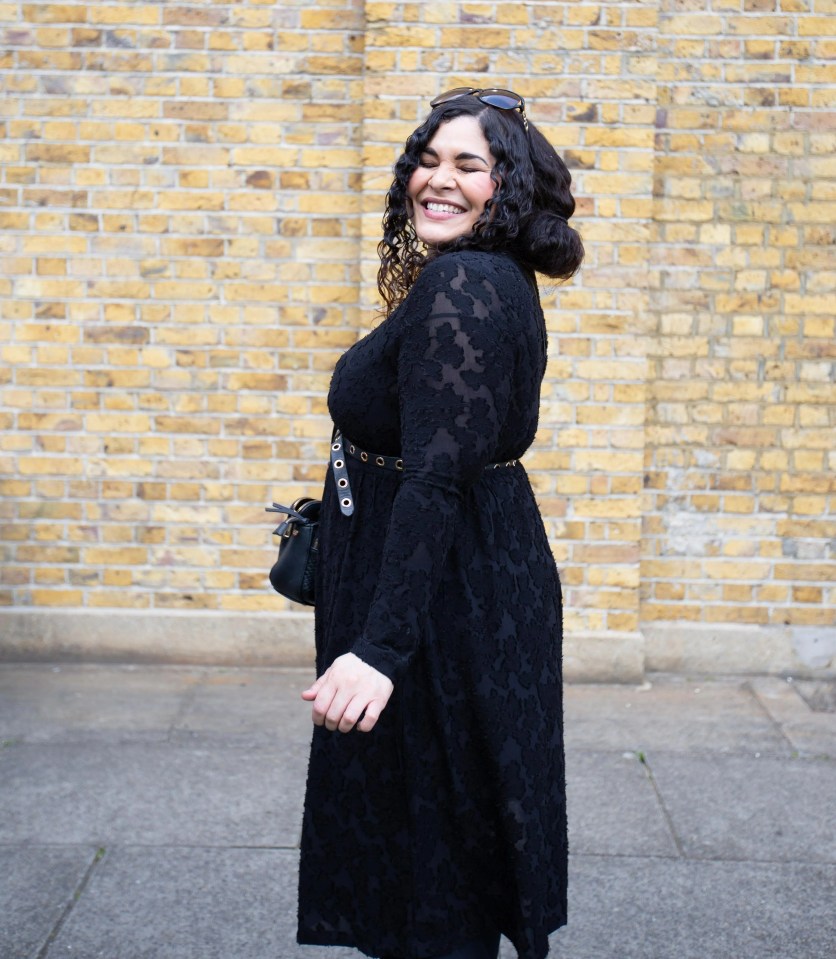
(191, 197)
(180, 266)
(741, 447)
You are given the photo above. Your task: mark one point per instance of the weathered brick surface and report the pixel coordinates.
(190, 202)
(180, 270)
(740, 443)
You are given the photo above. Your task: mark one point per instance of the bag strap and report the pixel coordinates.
(294, 518)
(341, 474)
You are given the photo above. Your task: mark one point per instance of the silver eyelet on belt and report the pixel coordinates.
(346, 502)
(335, 446)
(364, 457)
(380, 461)
(338, 464)
(342, 483)
(398, 464)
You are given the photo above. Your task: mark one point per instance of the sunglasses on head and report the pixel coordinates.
(501, 99)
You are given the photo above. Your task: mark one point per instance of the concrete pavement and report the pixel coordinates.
(154, 811)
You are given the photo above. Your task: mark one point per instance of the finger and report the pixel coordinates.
(334, 714)
(353, 711)
(373, 711)
(322, 704)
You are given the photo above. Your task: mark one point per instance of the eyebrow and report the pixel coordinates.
(461, 156)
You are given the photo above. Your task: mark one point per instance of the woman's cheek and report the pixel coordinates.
(413, 188)
(488, 189)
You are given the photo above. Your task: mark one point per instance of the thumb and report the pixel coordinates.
(313, 689)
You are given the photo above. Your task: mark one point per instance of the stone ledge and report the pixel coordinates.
(740, 649)
(286, 639)
(240, 639)
(158, 636)
(612, 657)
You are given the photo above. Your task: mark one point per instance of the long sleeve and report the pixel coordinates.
(455, 372)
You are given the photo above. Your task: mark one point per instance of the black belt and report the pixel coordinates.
(340, 446)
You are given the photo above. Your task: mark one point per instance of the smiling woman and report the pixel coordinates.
(525, 213)
(435, 812)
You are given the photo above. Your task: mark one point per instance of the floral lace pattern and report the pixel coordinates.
(449, 818)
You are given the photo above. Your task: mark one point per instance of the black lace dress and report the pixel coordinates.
(449, 818)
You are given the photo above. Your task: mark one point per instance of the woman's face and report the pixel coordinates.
(449, 188)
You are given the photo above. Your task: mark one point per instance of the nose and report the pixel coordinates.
(442, 177)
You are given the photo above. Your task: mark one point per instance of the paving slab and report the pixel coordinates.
(254, 706)
(36, 886)
(198, 903)
(810, 731)
(633, 908)
(612, 807)
(671, 713)
(728, 807)
(150, 793)
(210, 903)
(84, 703)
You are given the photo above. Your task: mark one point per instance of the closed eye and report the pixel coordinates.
(429, 159)
(429, 165)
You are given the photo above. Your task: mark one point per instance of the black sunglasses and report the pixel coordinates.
(501, 99)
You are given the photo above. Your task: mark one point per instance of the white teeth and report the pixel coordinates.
(443, 208)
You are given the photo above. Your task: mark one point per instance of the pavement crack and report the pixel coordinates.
(186, 703)
(667, 816)
(77, 894)
(778, 727)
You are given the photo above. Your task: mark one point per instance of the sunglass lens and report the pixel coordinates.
(451, 95)
(501, 100)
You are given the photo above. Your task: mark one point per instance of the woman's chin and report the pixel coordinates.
(438, 234)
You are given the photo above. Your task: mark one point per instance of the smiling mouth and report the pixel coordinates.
(441, 207)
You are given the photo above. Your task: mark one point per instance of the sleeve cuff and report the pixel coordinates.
(382, 658)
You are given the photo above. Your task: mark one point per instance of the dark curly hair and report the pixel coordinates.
(527, 216)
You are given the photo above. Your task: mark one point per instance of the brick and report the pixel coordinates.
(184, 424)
(38, 465)
(692, 24)
(122, 555)
(256, 381)
(609, 507)
(814, 26)
(47, 554)
(117, 422)
(56, 597)
(805, 571)
(404, 37)
(329, 19)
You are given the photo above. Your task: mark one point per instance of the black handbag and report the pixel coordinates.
(294, 572)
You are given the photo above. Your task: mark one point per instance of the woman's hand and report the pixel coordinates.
(347, 689)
